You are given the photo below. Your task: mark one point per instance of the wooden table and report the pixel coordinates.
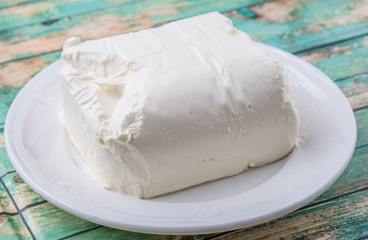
(330, 34)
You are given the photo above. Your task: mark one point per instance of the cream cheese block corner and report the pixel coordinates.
(162, 109)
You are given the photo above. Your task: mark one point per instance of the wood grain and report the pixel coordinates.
(5, 164)
(43, 11)
(39, 38)
(300, 25)
(43, 38)
(21, 192)
(334, 220)
(43, 42)
(353, 178)
(6, 207)
(345, 59)
(356, 89)
(18, 73)
(49, 222)
(12, 227)
(361, 118)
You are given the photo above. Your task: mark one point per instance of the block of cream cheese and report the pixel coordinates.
(162, 109)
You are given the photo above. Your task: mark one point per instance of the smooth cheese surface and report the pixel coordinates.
(159, 110)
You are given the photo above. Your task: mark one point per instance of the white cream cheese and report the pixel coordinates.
(162, 109)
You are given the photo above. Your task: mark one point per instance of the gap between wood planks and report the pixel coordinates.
(295, 53)
(71, 15)
(110, 7)
(25, 55)
(28, 57)
(360, 108)
(21, 56)
(24, 208)
(300, 209)
(50, 21)
(13, 171)
(329, 44)
(79, 233)
(17, 208)
(350, 76)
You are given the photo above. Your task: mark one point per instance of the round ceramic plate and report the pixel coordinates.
(35, 144)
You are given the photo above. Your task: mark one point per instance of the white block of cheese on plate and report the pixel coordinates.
(163, 109)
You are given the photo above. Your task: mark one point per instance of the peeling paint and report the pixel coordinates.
(109, 25)
(17, 179)
(90, 28)
(315, 56)
(166, 11)
(358, 14)
(234, 14)
(103, 26)
(276, 12)
(307, 222)
(359, 100)
(356, 89)
(18, 73)
(318, 56)
(28, 10)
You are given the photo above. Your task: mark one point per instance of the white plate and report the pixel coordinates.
(35, 144)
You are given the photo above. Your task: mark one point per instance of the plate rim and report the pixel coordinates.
(235, 224)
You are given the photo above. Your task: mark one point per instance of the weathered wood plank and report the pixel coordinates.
(6, 205)
(353, 178)
(341, 60)
(13, 3)
(45, 38)
(39, 12)
(362, 125)
(23, 195)
(12, 227)
(6, 98)
(55, 10)
(299, 25)
(16, 74)
(50, 222)
(356, 89)
(101, 232)
(5, 164)
(287, 24)
(344, 218)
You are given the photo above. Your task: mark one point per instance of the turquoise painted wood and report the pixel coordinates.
(331, 34)
(303, 29)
